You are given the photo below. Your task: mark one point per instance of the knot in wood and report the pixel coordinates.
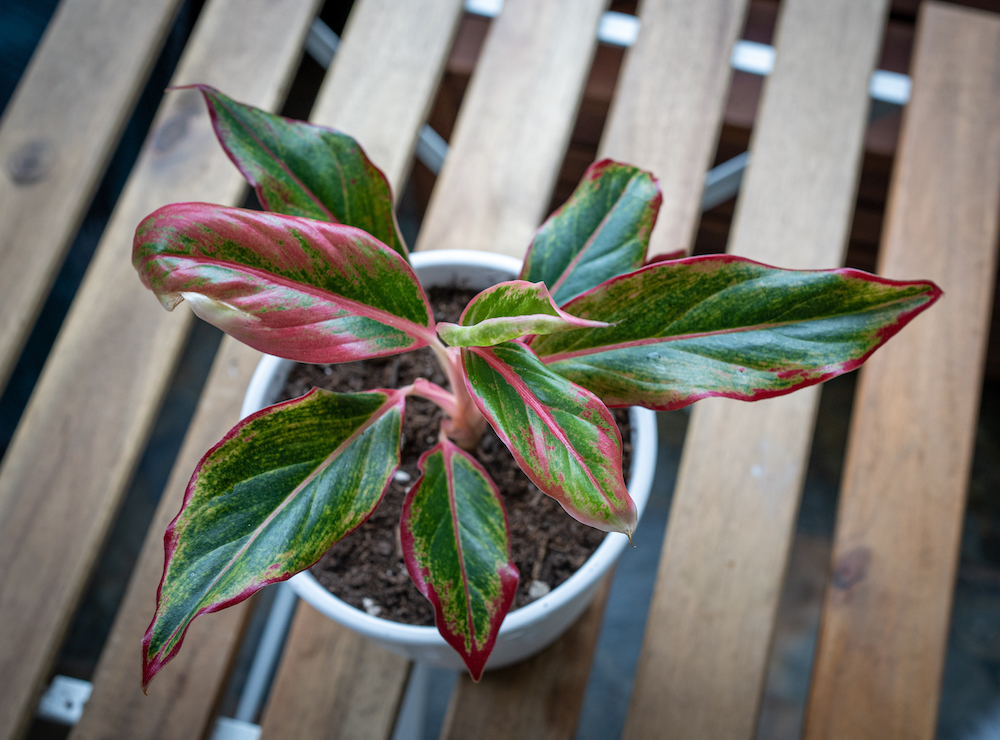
(852, 567)
(171, 132)
(30, 163)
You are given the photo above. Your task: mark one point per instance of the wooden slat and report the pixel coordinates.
(359, 685)
(389, 64)
(504, 159)
(56, 138)
(513, 127)
(538, 699)
(883, 636)
(89, 418)
(668, 106)
(704, 657)
(655, 90)
(379, 89)
(509, 142)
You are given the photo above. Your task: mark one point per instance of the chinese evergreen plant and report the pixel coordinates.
(324, 277)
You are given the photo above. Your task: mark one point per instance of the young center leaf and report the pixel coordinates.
(562, 436)
(301, 289)
(268, 500)
(301, 169)
(457, 550)
(727, 326)
(600, 232)
(507, 311)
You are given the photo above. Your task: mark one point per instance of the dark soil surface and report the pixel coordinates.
(366, 568)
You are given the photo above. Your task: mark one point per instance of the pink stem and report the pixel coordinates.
(433, 392)
(466, 425)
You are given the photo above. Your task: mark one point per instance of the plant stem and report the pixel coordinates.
(467, 424)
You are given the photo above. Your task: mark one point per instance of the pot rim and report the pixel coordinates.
(643, 422)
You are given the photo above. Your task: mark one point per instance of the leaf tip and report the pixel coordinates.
(476, 674)
(148, 671)
(199, 86)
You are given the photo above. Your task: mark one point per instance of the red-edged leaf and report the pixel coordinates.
(677, 254)
(562, 436)
(601, 231)
(457, 550)
(507, 311)
(268, 500)
(301, 169)
(293, 287)
(727, 326)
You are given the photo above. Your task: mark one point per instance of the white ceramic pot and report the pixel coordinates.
(525, 631)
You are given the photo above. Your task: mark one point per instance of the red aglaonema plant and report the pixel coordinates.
(324, 277)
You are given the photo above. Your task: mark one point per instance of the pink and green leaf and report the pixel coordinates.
(456, 545)
(600, 232)
(727, 326)
(301, 289)
(562, 436)
(268, 500)
(301, 169)
(507, 311)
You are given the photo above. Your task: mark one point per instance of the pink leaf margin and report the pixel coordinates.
(150, 667)
(475, 660)
(824, 374)
(623, 507)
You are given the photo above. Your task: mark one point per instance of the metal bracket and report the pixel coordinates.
(63, 701)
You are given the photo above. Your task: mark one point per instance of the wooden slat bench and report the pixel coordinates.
(703, 664)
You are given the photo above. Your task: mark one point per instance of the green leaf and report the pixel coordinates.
(507, 311)
(268, 500)
(301, 289)
(600, 232)
(562, 436)
(727, 326)
(456, 545)
(301, 169)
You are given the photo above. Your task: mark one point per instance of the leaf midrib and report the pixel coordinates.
(383, 316)
(392, 400)
(280, 163)
(447, 455)
(595, 349)
(587, 245)
(533, 402)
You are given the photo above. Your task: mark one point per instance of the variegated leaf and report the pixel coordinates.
(301, 169)
(727, 326)
(301, 289)
(268, 500)
(562, 436)
(456, 545)
(600, 232)
(507, 311)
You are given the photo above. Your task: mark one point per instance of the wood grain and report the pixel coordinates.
(89, 417)
(513, 128)
(353, 688)
(669, 103)
(539, 699)
(704, 658)
(388, 65)
(56, 137)
(883, 636)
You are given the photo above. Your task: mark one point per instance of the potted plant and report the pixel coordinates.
(525, 630)
(324, 276)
